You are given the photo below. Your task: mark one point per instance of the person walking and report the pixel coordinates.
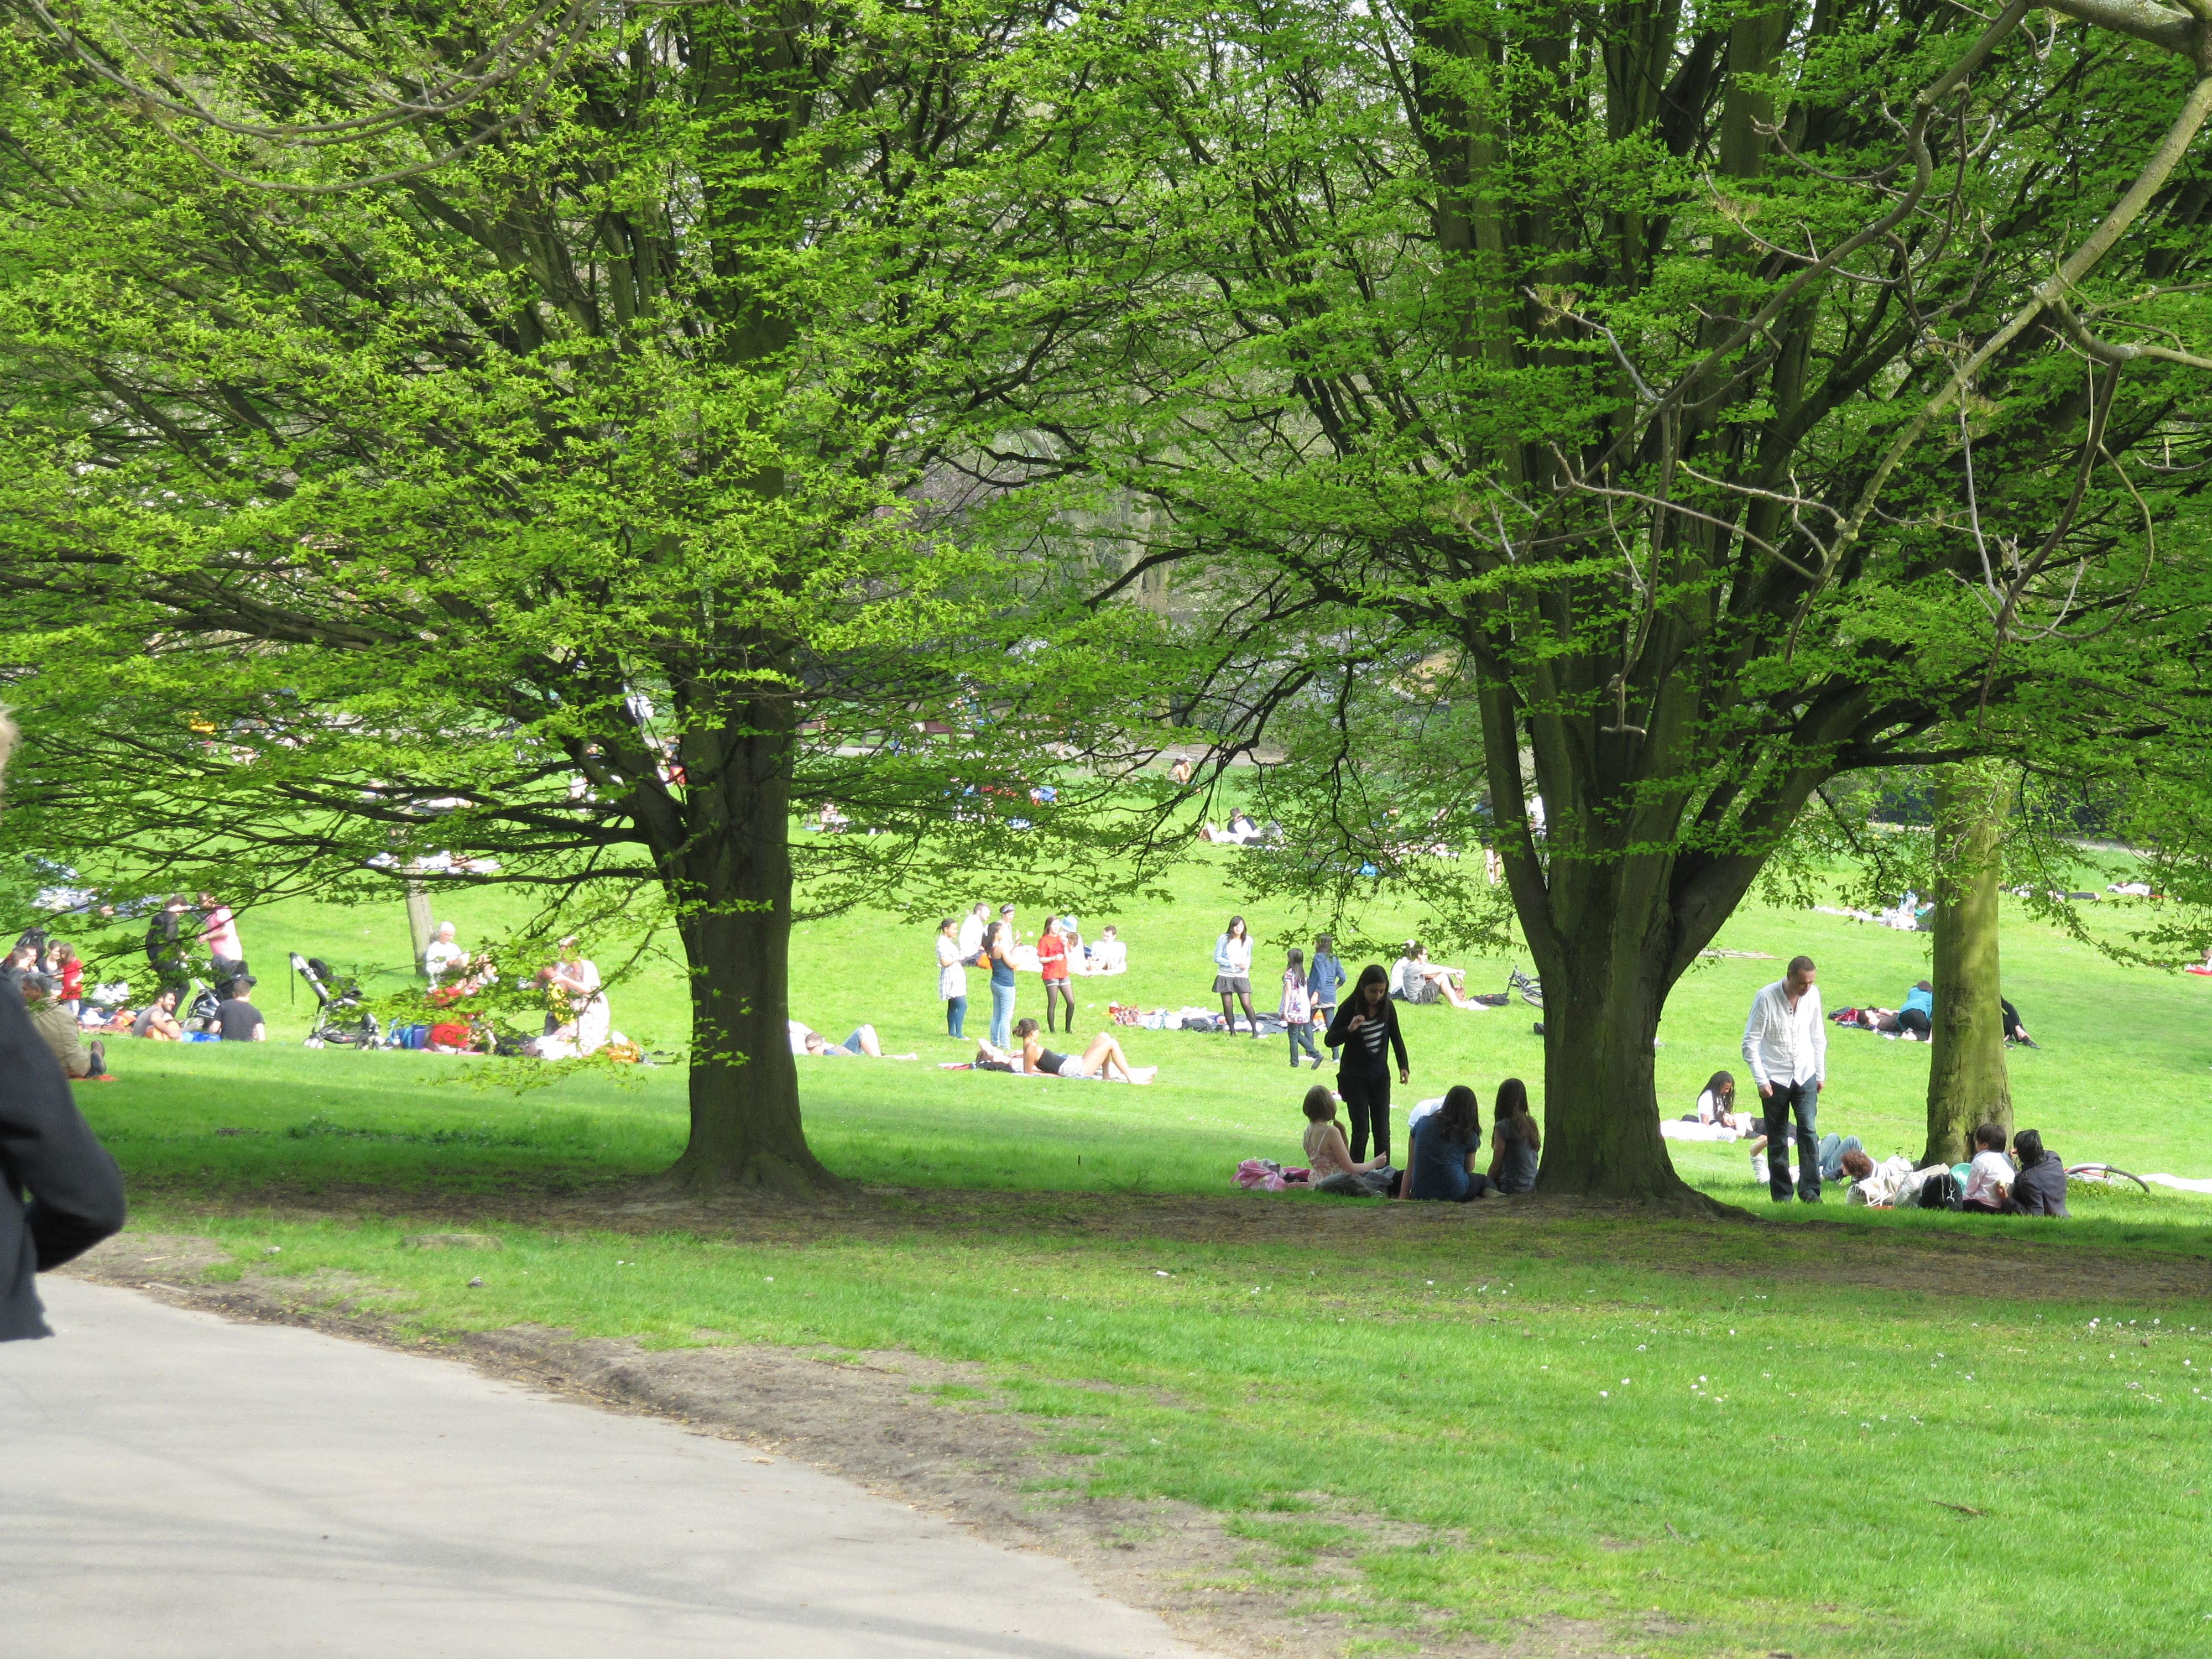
(1298, 1009)
(952, 977)
(1365, 1021)
(999, 951)
(1785, 1043)
(1232, 975)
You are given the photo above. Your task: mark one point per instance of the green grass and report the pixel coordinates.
(1718, 1439)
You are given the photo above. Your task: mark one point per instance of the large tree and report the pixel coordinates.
(548, 434)
(1713, 399)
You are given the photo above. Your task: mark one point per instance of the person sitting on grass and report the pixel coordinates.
(1515, 1140)
(58, 1029)
(1329, 1159)
(1423, 981)
(1988, 1178)
(2014, 1031)
(1916, 1020)
(2040, 1188)
(1440, 1165)
(237, 1019)
(158, 1018)
(1103, 1058)
(1108, 956)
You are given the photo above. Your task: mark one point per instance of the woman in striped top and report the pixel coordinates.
(1367, 1021)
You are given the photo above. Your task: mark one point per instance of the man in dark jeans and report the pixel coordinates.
(1785, 1043)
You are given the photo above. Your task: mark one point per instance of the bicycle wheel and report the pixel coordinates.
(2104, 1172)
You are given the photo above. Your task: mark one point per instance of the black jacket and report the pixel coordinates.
(1357, 1057)
(2040, 1188)
(63, 1193)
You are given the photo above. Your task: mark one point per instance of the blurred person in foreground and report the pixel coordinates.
(62, 1192)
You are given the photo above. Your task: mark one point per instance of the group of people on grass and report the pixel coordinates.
(1446, 1145)
(996, 945)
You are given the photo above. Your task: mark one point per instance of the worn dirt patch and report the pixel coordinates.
(940, 1435)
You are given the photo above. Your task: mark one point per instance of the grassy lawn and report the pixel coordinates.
(1850, 1435)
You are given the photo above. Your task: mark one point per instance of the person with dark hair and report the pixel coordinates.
(1440, 1163)
(165, 942)
(1988, 1178)
(1103, 1059)
(238, 1020)
(1785, 1043)
(1052, 967)
(1916, 1020)
(2040, 1188)
(158, 1018)
(1232, 975)
(1367, 1021)
(998, 943)
(1891, 1184)
(1297, 1008)
(1515, 1139)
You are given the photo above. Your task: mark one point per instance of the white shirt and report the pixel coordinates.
(952, 977)
(799, 1034)
(1989, 1171)
(1784, 1045)
(1109, 955)
(1893, 1181)
(440, 955)
(971, 936)
(1233, 956)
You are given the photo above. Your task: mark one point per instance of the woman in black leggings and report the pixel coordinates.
(1365, 1021)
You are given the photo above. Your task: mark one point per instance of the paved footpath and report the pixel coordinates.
(176, 1485)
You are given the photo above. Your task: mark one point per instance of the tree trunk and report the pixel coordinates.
(733, 883)
(1967, 1080)
(1605, 981)
(418, 925)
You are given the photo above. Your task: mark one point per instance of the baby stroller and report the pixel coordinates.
(201, 1008)
(339, 1016)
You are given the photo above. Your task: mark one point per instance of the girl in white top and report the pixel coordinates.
(1232, 975)
(951, 976)
(575, 980)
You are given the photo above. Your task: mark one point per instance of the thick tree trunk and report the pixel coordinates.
(734, 882)
(1605, 981)
(1967, 1079)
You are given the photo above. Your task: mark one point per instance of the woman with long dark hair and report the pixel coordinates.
(1514, 1140)
(1367, 1021)
(1232, 974)
(1440, 1163)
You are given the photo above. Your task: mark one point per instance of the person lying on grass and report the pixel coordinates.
(806, 1040)
(1329, 1158)
(1103, 1058)
(1440, 1163)
(1891, 1184)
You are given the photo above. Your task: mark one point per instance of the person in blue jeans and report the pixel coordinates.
(1833, 1148)
(1441, 1164)
(1324, 980)
(1785, 1043)
(999, 946)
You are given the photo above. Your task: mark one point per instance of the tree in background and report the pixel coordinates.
(548, 438)
(1728, 418)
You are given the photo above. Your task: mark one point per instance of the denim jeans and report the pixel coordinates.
(1803, 1099)
(1301, 1038)
(955, 1016)
(1833, 1148)
(1002, 1015)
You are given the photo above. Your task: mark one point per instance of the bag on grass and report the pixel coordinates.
(1941, 1191)
(1261, 1173)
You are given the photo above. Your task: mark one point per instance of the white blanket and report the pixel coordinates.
(2183, 1182)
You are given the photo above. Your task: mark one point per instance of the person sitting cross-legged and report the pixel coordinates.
(1103, 1058)
(158, 1019)
(1440, 1164)
(58, 1029)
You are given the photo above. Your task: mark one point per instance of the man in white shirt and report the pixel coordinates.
(971, 933)
(1785, 1043)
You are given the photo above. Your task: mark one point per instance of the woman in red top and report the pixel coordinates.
(1052, 960)
(71, 969)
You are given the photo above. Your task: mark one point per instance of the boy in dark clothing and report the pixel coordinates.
(2040, 1188)
(238, 1020)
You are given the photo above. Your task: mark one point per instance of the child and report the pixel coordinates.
(1330, 1159)
(1988, 1178)
(1326, 979)
(1297, 1010)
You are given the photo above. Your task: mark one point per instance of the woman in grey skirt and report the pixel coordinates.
(1232, 975)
